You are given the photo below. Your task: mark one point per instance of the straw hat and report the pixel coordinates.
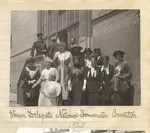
(47, 59)
(51, 88)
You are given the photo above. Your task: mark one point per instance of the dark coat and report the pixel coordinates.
(53, 49)
(107, 91)
(26, 78)
(40, 48)
(108, 77)
(93, 83)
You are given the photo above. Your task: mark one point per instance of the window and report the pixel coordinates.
(73, 15)
(73, 33)
(62, 18)
(52, 21)
(44, 24)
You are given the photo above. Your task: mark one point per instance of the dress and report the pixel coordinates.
(94, 82)
(30, 76)
(47, 75)
(107, 74)
(62, 62)
(77, 78)
(121, 86)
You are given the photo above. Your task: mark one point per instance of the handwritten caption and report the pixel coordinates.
(67, 114)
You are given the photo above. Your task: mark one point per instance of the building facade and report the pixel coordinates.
(108, 30)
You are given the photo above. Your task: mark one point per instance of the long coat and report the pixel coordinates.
(76, 75)
(33, 100)
(121, 95)
(93, 86)
(107, 90)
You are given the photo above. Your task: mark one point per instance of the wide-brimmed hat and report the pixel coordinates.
(118, 52)
(87, 50)
(47, 59)
(76, 46)
(30, 59)
(51, 88)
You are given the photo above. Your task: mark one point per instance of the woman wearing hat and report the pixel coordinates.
(107, 73)
(75, 82)
(50, 89)
(87, 53)
(121, 80)
(30, 76)
(97, 54)
(76, 52)
(93, 83)
(63, 59)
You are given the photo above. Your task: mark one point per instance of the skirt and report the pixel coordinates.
(46, 101)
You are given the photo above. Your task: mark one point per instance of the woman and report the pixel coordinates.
(49, 90)
(107, 74)
(93, 83)
(30, 75)
(63, 60)
(87, 53)
(75, 83)
(76, 52)
(121, 79)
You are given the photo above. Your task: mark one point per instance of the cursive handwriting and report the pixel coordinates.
(38, 115)
(14, 114)
(67, 114)
(128, 114)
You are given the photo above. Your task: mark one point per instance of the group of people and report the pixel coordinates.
(76, 78)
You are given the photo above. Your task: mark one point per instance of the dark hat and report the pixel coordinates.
(97, 50)
(39, 34)
(76, 46)
(87, 50)
(30, 60)
(118, 52)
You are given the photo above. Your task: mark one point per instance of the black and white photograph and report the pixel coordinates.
(76, 130)
(75, 58)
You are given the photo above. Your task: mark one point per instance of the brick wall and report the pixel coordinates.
(120, 30)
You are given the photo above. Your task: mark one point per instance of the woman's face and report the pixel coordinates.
(119, 57)
(105, 62)
(31, 64)
(97, 54)
(61, 47)
(48, 65)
